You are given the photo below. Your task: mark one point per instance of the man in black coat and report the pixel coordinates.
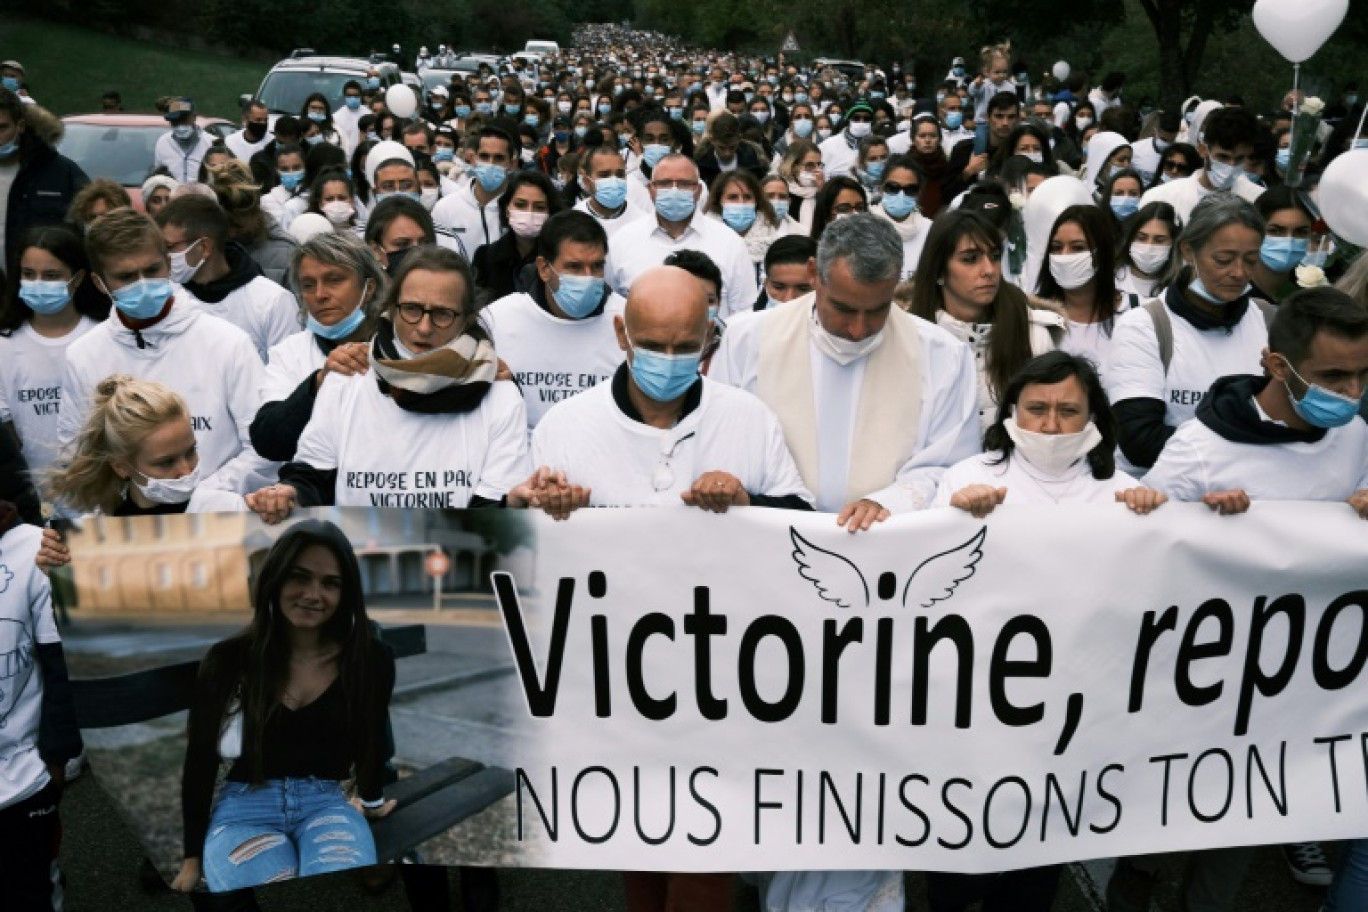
(36, 182)
(725, 150)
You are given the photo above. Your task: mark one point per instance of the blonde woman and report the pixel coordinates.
(136, 456)
(801, 168)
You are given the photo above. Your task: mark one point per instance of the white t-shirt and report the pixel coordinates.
(1026, 484)
(838, 157)
(266, 312)
(551, 358)
(620, 460)
(635, 251)
(611, 226)
(1133, 369)
(26, 620)
(292, 359)
(1184, 193)
(31, 369)
(243, 148)
(1197, 461)
(388, 457)
(1091, 340)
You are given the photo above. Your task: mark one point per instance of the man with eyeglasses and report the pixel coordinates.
(675, 189)
(660, 434)
(841, 151)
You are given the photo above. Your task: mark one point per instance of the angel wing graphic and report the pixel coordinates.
(937, 577)
(836, 579)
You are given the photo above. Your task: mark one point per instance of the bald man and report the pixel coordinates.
(659, 433)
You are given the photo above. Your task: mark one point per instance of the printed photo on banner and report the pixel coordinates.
(346, 665)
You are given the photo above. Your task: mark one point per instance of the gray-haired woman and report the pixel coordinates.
(340, 284)
(1165, 356)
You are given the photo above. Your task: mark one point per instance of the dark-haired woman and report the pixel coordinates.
(298, 703)
(50, 305)
(1079, 277)
(1054, 441)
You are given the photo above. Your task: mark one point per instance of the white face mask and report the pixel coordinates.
(1072, 270)
(860, 128)
(181, 271)
(526, 223)
(807, 178)
(429, 197)
(338, 211)
(1149, 258)
(169, 490)
(1052, 454)
(842, 351)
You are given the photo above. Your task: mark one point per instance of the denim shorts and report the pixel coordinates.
(281, 829)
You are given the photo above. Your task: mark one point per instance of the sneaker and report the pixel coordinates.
(1307, 863)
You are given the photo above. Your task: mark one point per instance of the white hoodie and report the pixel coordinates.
(209, 361)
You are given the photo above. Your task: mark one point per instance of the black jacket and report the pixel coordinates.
(42, 191)
(501, 270)
(748, 158)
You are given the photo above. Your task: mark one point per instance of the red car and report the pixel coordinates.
(120, 146)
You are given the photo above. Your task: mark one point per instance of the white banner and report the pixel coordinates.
(763, 691)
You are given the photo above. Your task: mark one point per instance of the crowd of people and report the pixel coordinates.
(639, 274)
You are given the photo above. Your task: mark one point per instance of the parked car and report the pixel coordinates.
(296, 78)
(121, 146)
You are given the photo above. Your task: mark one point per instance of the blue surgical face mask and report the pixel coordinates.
(581, 132)
(442, 154)
(875, 170)
(10, 83)
(698, 126)
(738, 216)
(410, 194)
(610, 192)
(958, 71)
(315, 139)
(1320, 407)
(1283, 159)
(183, 131)
(144, 299)
(462, 111)
(577, 295)
(800, 97)
(1221, 175)
(339, 330)
(353, 102)
(802, 127)
(664, 377)
(674, 205)
(1280, 254)
(9, 148)
(532, 120)
(373, 82)
(1200, 290)
(291, 180)
(45, 298)
(317, 116)
(781, 208)
(653, 153)
(484, 107)
(954, 120)
(490, 176)
(512, 109)
(1124, 206)
(604, 110)
(899, 205)
(1316, 258)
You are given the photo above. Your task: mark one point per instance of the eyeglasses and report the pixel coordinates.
(849, 208)
(1176, 165)
(662, 479)
(689, 185)
(441, 317)
(893, 188)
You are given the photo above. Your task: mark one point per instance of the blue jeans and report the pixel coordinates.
(282, 829)
(1349, 892)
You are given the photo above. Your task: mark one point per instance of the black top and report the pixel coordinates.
(501, 270)
(129, 508)
(317, 740)
(42, 191)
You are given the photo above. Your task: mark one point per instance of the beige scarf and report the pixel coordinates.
(889, 410)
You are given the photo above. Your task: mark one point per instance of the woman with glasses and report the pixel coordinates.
(840, 197)
(1178, 160)
(427, 425)
(899, 192)
(801, 167)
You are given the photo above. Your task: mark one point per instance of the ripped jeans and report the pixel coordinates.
(282, 829)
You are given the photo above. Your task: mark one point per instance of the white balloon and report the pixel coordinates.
(400, 99)
(1298, 28)
(1061, 71)
(1343, 196)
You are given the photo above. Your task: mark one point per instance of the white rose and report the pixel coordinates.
(1312, 107)
(1017, 199)
(1310, 276)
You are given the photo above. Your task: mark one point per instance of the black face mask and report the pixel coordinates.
(396, 260)
(254, 131)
